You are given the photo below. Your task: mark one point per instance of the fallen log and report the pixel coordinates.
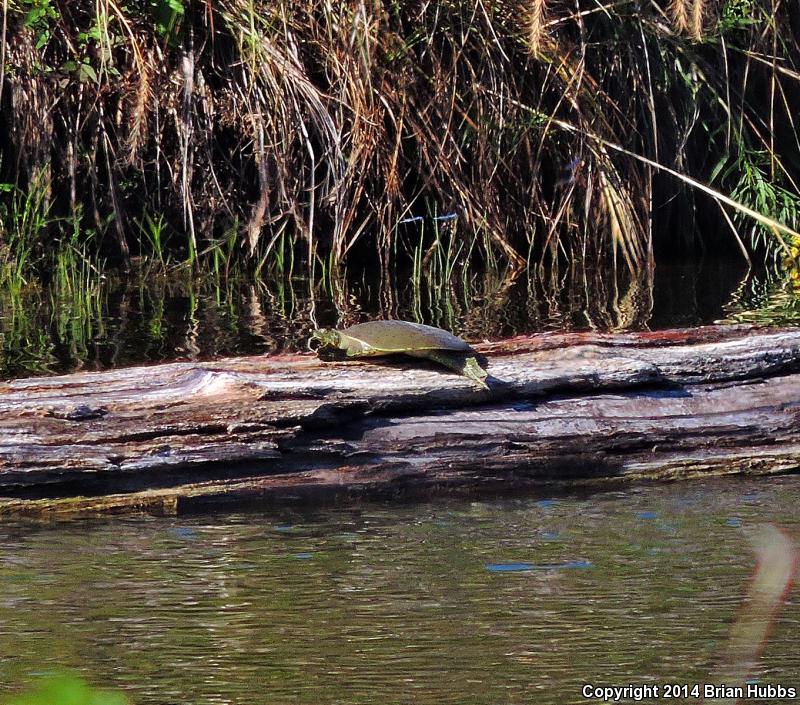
(562, 409)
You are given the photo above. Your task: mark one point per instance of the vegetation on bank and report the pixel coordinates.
(315, 132)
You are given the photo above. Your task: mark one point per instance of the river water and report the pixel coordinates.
(118, 321)
(502, 600)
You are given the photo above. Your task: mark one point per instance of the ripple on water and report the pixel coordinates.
(440, 602)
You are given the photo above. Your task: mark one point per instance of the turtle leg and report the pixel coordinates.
(458, 362)
(475, 372)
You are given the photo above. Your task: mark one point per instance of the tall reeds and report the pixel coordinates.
(550, 130)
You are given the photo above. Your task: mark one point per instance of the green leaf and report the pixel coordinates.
(33, 16)
(44, 37)
(168, 15)
(86, 72)
(718, 167)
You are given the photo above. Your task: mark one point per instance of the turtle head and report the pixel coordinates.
(325, 342)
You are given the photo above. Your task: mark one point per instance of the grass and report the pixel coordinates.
(24, 223)
(298, 135)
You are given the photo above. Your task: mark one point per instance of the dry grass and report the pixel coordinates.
(326, 124)
(535, 23)
(697, 20)
(680, 11)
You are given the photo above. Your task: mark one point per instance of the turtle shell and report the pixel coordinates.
(404, 336)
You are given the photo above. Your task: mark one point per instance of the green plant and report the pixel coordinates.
(153, 230)
(40, 16)
(309, 129)
(25, 217)
(738, 15)
(168, 15)
(66, 690)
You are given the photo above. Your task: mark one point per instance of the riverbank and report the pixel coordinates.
(307, 135)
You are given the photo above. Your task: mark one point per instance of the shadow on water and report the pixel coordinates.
(92, 321)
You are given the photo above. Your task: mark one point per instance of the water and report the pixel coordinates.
(113, 321)
(512, 600)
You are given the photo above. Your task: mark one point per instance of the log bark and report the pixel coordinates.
(562, 409)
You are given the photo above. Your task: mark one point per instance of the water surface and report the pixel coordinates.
(504, 600)
(113, 320)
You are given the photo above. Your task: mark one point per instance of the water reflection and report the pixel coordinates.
(110, 321)
(337, 605)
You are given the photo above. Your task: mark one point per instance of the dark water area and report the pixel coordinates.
(502, 600)
(111, 321)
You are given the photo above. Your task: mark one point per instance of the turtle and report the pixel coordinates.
(394, 337)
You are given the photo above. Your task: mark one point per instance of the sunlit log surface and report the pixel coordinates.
(564, 409)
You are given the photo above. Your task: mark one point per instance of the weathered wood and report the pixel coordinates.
(562, 409)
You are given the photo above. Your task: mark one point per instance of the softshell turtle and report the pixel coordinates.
(400, 337)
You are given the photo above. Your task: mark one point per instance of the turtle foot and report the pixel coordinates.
(475, 372)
